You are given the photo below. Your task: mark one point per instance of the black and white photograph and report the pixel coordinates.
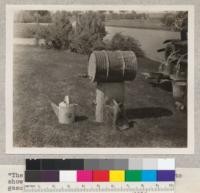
(108, 79)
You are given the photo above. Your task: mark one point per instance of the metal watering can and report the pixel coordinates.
(65, 111)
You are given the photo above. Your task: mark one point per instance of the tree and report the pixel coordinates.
(168, 20)
(58, 32)
(89, 32)
(175, 20)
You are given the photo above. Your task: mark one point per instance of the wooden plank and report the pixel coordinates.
(106, 92)
(113, 90)
(99, 105)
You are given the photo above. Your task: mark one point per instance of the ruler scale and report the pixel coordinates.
(101, 187)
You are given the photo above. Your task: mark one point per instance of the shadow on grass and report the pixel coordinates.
(166, 86)
(148, 112)
(80, 118)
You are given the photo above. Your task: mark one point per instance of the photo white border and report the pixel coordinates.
(10, 149)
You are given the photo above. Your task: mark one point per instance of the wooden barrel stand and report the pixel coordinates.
(106, 93)
(110, 69)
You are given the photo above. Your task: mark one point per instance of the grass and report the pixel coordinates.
(138, 23)
(42, 75)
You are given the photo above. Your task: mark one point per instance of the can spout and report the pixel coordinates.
(65, 111)
(66, 99)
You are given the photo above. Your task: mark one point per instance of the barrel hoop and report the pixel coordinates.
(101, 66)
(123, 62)
(115, 67)
(104, 65)
(98, 70)
(107, 63)
(131, 65)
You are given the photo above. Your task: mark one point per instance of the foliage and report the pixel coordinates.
(168, 19)
(57, 33)
(89, 32)
(176, 20)
(122, 42)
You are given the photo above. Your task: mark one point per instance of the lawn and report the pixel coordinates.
(42, 75)
(138, 23)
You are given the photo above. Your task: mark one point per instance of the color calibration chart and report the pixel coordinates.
(100, 175)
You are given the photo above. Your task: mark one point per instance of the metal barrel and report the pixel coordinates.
(115, 67)
(130, 60)
(112, 66)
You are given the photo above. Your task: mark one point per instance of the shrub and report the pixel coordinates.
(122, 42)
(168, 20)
(89, 32)
(58, 32)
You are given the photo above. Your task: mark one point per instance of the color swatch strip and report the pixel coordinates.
(100, 164)
(99, 175)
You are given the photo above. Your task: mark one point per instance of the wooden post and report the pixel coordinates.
(106, 92)
(99, 105)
